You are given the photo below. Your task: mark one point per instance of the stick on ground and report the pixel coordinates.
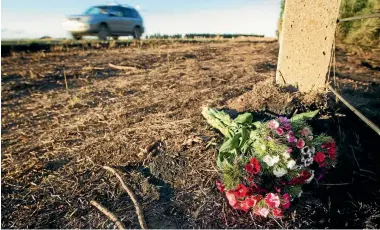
(109, 214)
(137, 205)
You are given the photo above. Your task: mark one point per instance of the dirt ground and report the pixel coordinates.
(145, 120)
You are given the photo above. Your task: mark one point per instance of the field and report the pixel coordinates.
(138, 108)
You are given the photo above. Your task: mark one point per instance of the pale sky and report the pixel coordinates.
(37, 18)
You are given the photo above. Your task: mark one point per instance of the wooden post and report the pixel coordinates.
(306, 40)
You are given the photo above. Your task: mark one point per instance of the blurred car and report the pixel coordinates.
(106, 21)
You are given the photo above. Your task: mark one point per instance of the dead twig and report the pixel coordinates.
(64, 75)
(122, 67)
(109, 214)
(137, 205)
(336, 184)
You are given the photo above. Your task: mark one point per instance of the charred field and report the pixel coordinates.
(138, 109)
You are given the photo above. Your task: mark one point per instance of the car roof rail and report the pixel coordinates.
(115, 3)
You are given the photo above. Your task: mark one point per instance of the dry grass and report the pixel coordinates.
(144, 120)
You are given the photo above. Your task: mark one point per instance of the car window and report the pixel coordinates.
(116, 11)
(128, 13)
(135, 14)
(96, 10)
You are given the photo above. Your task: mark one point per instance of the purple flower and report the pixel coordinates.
(291, 138)
(284, 120)
(287, 126)
(319, 176)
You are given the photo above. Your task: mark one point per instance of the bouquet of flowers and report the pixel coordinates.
(263, 165)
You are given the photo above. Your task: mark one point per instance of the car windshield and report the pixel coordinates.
(96, 10)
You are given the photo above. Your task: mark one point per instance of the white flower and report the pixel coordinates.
(307, 161)
(286, 155)
(291, 164)
(273, 124)
(263, 147)
(311, 177)
(308, 151)
(299, 194)
(279, 172)
(270, 161)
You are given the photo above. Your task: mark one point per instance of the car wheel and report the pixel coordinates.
(115, 37)
(77, 37)
(103, 32)
(137, 33)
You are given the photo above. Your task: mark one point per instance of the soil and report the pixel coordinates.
(143, 117)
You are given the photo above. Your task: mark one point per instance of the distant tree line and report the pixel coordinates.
(199, 35)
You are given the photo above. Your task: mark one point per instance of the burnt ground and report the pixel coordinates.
(146, 121)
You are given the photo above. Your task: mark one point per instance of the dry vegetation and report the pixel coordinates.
(143, 118)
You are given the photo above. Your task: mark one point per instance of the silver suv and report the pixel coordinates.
(106, 21)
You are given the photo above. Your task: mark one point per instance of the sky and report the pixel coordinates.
(37, 18)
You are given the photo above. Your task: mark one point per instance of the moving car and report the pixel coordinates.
(106, 21)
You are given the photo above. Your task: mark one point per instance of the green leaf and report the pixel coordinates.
(304, 116)
(231, 143)
(257, 124)
(224, 159)
(254, 135)
(219, 120)
(246, 147)
(245, 118)
(244, 136)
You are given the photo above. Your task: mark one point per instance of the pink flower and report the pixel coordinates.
(220, 186)
(291, 133)
(306, 132)
(273, 124)
(279, 131)
(277, 212)
(300, 144)
(262, 212)
(272, 200)
(285, 204)
(289, 150)
(232, 199)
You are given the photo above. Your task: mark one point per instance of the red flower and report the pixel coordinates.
(330, 149)
(220, 186)
(305, 174)
(277, 212)
(240, 191)
(253, 166)
(301, 179)
(232, 199)
(332, 152)
(249, 202)
(285, 204)
(319, 157)
(272, 200)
